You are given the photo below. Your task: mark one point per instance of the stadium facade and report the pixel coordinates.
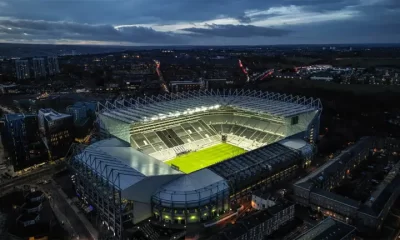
(125, 176)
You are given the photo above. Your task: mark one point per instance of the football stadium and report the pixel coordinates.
(191, 157)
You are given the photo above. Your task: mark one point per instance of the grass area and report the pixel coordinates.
(194, 161)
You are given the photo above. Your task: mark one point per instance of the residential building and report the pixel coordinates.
(80, 110)
(21, 140)
(178, 86)
(52, 64)
(314, 189)
(39, 67)
(22, 69)
(259, 225)
(329, 229)
(56, 129)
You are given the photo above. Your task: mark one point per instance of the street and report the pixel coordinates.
(64, 211)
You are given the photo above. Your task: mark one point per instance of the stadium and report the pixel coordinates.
(191, 157)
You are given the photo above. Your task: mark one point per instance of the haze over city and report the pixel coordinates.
(199, 22)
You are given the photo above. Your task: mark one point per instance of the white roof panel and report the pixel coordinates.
(169, 105)
(122, 166)
(193, 187)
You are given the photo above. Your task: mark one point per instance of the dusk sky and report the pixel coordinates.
(199, 22)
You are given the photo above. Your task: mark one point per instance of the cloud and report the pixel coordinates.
(34, 30)
(244, 19)
(237, 31)
(195, 21)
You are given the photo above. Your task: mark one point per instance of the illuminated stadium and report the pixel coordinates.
(189, 157)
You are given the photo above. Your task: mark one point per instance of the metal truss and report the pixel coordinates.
(100, 186)
(276, 104)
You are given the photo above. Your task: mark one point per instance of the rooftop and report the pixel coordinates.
(198, 185)
(251, 221)
(52, 115)
(336, 162)
(269, 158)
(17, 116)
(126, 165)
(328, 229)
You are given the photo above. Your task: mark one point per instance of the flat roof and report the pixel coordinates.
(336, 197)
(52, 115)
(345, 155)
(328, 229)
(268, 158)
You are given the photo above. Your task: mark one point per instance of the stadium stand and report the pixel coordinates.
(268, 136)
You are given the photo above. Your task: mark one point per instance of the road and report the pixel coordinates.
(65, 211)
(28, 178)
(6, 109)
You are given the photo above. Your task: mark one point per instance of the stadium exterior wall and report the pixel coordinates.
(196, 197)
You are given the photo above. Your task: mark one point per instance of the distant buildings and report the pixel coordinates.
(178, 86)
(52, 63)
(39, 67)
(322, 78)
(56, 129)
(22, 69)
(21, 140)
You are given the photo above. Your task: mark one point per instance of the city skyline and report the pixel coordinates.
(153, 22)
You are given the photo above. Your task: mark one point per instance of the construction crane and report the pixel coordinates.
(160, 76)
(244, 70)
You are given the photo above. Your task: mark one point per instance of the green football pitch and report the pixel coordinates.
(194, 161)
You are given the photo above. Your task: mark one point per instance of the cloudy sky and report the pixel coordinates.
(199, 22)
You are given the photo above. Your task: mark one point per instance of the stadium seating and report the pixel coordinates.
(165, 140)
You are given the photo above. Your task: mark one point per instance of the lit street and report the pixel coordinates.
(64, 211)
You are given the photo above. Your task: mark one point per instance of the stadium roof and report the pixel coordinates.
(264, 160)
(194, 187)
(122, 166)
(185, 103)
(298, 144)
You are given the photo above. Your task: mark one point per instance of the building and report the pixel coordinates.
(314, 189)
(80, 110)
(39, 67)
(52, 64)
(179, 86)
(329, 229)
(139, 135)
(322, 78)
(261, 201)
(8, 88)
(56, 130)
(22, 69)
(259, 225)
(20, 137)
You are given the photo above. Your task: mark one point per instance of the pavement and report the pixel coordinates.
(74, 221)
